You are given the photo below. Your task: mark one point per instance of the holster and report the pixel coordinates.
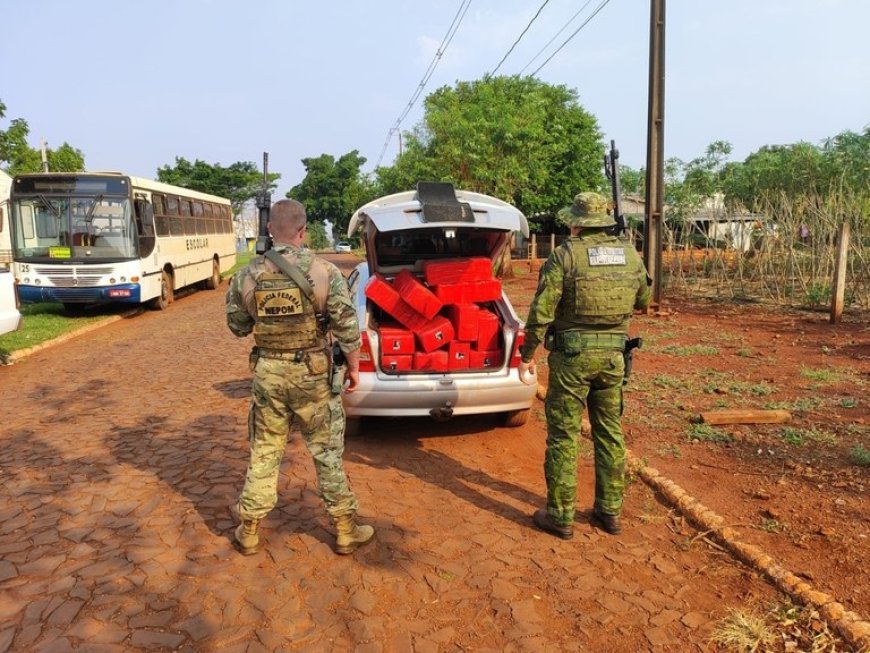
(339, 367)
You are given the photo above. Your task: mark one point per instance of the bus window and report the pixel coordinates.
(145, 227)
(161, 221)
(189, 220)
(176, 222)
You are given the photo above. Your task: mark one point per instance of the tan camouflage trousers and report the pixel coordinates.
(593, 377)
(282, 391)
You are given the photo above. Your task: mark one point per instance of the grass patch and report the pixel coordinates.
(690, 350)
(667, 381)
(860, 456)
(821, 375)
(44, 322)
(672, 450)
(799, 405)
(799, 437)
(706, 433)
(242, 259)
(743, 631)
(848, 402)
(744, 353)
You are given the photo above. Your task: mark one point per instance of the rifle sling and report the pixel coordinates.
(294, 273)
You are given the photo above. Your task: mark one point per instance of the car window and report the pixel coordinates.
(423, 244)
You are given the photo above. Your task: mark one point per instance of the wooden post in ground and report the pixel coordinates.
(533, 252)
(838, 288)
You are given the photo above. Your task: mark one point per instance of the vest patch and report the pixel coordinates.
(278, 302)
(606, 256)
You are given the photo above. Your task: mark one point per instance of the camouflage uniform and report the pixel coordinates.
(289, 385)
(587, 291)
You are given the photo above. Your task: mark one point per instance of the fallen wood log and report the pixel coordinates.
(745, 416)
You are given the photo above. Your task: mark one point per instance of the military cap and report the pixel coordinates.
(588, 210)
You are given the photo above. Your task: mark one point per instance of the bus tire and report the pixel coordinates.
(215, 279)
(167, 293)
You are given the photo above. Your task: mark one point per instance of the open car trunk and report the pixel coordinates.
(433, 301)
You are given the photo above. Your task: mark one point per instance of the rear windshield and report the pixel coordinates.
(407, 247)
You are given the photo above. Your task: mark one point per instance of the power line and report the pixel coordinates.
(585, 22)
(448, 37)
(555, 36)
(519, 38)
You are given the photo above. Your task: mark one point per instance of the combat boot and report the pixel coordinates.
(247, 537)
(351, 535)
(610, 523)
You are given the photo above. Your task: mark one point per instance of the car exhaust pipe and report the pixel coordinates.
(442, 413)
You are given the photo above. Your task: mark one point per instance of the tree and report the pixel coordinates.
(21, 158)
(315, 235)
(239, 182)
(333, 189)
(517, 138)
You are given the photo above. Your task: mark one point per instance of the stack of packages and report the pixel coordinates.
(439, 325)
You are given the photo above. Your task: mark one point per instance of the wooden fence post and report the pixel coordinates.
(838, 287)
(533, 252)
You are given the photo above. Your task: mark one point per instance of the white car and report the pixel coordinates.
(10, 318)
(342, 248)
(401, 233)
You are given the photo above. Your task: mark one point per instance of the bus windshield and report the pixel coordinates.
(72, 227)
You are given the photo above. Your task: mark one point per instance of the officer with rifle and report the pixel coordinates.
(292, 302)
(587, 292)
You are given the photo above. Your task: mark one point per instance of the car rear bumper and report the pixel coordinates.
(419, 395)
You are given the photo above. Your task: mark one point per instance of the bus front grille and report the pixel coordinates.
(70, 271)
(69, 282)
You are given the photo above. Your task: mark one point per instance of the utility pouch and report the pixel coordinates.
(253, 357)
(339, 367)
(550, 340)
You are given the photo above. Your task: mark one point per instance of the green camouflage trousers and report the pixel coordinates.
(282, 390)
(592, 377)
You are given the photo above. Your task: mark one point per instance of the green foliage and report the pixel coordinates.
(799, 437)
(817, 294)
(848, 402)
(860, 456)
(820, 375)
(706, 433)
(239, 182)
(690, 350)
(333, 189)
(315, 235)
(20, 158)
(516, 138)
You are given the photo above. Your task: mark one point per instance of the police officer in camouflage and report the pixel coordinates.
(291, 306)
(587, 291)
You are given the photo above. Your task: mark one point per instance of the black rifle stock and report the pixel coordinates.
(264, 205)
(611, 169)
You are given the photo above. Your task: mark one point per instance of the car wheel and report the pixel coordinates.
(516, 417)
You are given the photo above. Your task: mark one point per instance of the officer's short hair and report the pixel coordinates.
(287, 217)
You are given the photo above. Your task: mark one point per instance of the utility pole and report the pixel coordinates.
(400, 143)
(655, 157)
(43, 145)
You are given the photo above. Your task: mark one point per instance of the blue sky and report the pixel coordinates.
(135, 84)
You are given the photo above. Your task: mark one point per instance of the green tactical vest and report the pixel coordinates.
(286, 320)
(600, 287)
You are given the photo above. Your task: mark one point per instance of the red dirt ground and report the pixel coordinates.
(795, 489)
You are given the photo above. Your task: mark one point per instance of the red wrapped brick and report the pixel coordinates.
(487, 331)
(458, 355)
(435, 361)
(457, 270)
(463, 317)
(396, 339)
(384, 295)
(394, 363)
(435, 334)
(469, 293)
(479, 360)
(418, 296)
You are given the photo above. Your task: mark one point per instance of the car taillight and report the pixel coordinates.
(515, 354)
(366, 362)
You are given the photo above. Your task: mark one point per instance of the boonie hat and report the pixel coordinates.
(588, 210)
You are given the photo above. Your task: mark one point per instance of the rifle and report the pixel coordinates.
(611, 169)
(264, 205)
(628, 355)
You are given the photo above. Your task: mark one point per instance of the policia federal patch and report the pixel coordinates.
(283, 301)
(606, 256)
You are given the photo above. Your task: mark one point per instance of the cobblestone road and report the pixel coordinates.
(122, 451)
